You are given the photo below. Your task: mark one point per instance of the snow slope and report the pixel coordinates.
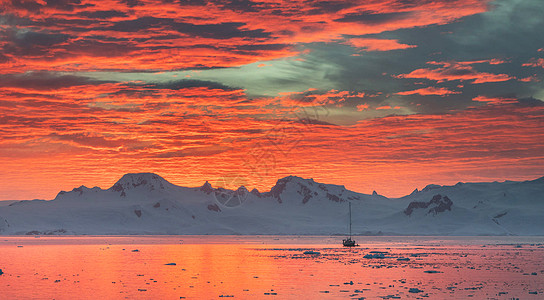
(148, 204)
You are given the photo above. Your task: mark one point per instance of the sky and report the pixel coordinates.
(384, 96)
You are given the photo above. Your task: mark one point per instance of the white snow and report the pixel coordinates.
(148, 204)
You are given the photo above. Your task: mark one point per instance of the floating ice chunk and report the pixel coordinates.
(432, 271)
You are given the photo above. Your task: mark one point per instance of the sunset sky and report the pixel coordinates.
(375, 95)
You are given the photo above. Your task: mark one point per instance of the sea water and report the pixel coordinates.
(270, 267)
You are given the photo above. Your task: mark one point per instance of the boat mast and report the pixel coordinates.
(350, 220)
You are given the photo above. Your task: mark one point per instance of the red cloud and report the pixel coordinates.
(164, 35)
(429, 91)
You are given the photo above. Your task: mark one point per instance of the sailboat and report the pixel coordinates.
(349, 242)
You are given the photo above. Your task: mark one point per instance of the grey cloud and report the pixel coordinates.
(34, 6)
(216, 31)
(4, 59)
(31, 42)
(240, 5)
(45, 80)
(103, 14)
(321, 7)
(372, 18)
(182, 84)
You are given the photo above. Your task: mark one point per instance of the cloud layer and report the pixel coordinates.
(376, 95)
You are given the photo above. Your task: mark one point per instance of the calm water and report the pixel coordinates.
(213, 267)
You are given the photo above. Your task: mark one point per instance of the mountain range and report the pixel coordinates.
(146, 203)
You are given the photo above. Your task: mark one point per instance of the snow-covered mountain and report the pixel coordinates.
(148, 204)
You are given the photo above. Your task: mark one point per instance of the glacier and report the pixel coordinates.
(147, 204)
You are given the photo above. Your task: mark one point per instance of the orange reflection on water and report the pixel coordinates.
(212, 267)
(36, 269)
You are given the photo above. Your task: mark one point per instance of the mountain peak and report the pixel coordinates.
(207, 187)
(431, 187)
(140, 177)
(131, 181)
(292, 178)
(294, 187)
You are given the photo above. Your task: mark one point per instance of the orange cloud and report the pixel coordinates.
(368, 44)
(314, 97)
(387, 107)
(362, 107)
(493, 61)
(58, 131)
(533, 78)
(463, 71)
(191, 133)
(494, 100)
(162, 36)
(534, 62)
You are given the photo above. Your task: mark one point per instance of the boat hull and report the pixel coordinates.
(349, 243)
